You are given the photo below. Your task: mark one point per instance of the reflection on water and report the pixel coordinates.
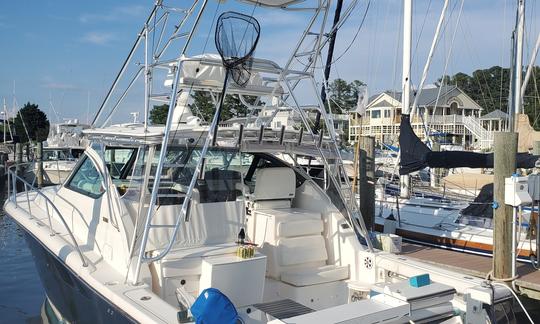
(21, 293)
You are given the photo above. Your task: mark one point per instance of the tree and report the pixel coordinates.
(490, 89)
(31, 122)
(158, 114)
(202, 105)
(343, 95)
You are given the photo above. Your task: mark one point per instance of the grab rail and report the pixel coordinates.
(12, 188)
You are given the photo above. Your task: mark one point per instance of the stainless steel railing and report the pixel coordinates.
(13, 179)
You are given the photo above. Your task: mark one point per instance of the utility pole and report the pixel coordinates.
(405, 181)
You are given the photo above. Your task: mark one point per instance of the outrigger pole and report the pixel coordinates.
(329, 58)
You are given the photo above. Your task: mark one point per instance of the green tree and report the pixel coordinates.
(490, 89)
(202, 105)
(31, 124)
(158, 114)
(343, 95)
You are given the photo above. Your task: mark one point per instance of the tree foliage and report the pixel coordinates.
(490, 89)
(204, 107)
(158, 114)
(31, 122)
(343, 95)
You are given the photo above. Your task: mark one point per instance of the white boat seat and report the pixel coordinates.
(274, 188)
(291, 238)
(315, 276)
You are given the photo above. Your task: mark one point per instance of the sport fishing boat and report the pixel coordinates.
(205, 223)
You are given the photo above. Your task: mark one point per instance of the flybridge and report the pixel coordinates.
(249, 139)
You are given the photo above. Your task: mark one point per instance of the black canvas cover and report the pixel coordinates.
(482, 204)
(415, 155)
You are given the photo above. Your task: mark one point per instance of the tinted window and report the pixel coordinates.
(87, 180)
(118, 161)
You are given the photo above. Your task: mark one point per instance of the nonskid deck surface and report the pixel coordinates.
(472, 264)
(283, 308)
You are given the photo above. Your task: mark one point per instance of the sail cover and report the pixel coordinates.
(415, 155)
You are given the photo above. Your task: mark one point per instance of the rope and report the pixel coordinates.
(516, 297)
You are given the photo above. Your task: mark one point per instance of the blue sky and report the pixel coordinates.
(71, 50)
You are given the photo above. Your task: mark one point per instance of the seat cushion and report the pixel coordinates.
(315, 276)
(299, 250)
(302, 227)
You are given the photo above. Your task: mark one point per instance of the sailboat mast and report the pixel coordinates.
(405, 187)
(5, 118)
(518, 73)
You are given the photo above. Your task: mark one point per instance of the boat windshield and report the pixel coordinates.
(227, 174)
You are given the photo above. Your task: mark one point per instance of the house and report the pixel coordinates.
(496, 120)
(446, 111)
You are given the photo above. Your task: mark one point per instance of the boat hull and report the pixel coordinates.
(74, 299)
(451, 243)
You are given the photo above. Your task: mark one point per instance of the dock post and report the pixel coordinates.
(435, 173)
(18, 158)
(39, 160)
(367, 180)
(505, 151)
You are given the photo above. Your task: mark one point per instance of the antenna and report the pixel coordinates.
(135, 115)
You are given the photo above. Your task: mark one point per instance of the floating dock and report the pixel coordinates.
(474, 265)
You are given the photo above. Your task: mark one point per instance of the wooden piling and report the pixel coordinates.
(505, 150)
(367, 179)
(18, 158)
(39, 162)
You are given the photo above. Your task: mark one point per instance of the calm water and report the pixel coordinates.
(21, 293)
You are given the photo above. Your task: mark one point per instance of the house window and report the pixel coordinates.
(387, 114)
(375, 114)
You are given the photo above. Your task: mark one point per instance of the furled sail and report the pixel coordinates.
(415, 155)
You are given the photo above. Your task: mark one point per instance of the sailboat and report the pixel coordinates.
(457, 225)
(203, 222)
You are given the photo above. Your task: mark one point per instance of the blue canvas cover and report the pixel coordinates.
(213, 307)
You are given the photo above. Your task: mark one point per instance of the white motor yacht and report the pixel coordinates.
(203, 223)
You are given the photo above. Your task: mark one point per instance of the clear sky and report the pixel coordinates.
(70, 51)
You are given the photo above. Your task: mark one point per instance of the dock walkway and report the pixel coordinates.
(474, 265)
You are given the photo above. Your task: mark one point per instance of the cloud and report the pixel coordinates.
(114, 14)
(98, 38)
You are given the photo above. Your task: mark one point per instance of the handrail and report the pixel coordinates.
(14, 177)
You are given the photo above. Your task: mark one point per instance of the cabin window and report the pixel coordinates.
(221, 179)
(119, 161)
(375, 114)
(87, 180)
